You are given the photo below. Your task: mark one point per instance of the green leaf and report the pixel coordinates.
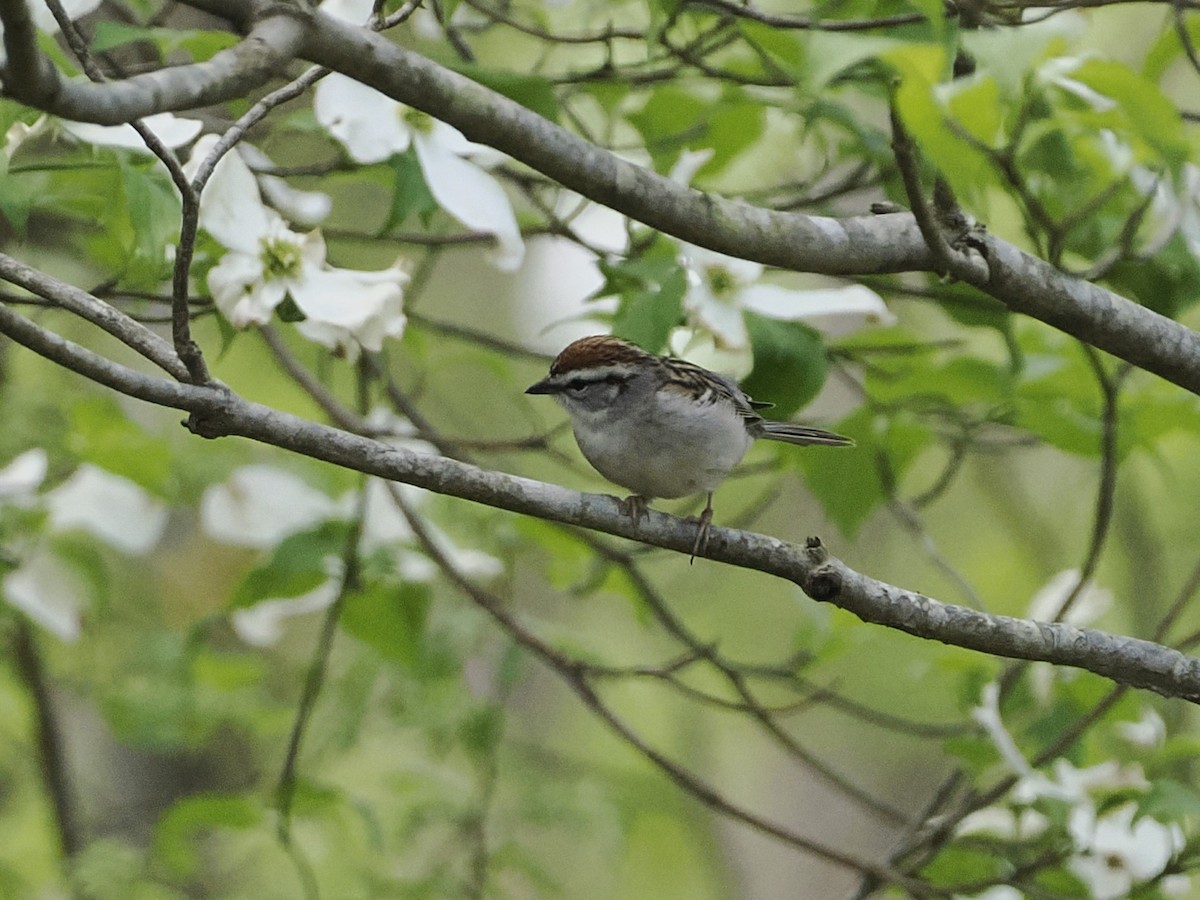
(1057, 397)
(1144, 108)
(102, 435)
(1170, 801)
(390, 617)
(410, 194)
(481, 731)
(975, 106)
(784, 46)
(1169, 48)
(671, 120)
(16, 198)
(154, 210)
(647, 316)
(789, 364)
(959, 864)
(831, 53)
(448, 8)
(199, 44)
(733, 125)
(296, 567)
(175, 839)
(847, 480)
(1009, 55)
(1165, 282)
(921, 69)
(608, 94)
(968, 306)
(1059, 882)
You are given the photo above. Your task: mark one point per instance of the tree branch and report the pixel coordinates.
(853, 246)
(31, 78)
(129, 332)
(577, 677)
(51, 752)
(218, 412)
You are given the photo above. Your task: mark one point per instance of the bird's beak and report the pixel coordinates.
(545, 386)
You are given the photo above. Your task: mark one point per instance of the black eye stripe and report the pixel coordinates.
(578, 384)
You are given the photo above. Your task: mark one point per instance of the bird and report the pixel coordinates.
(659, 426)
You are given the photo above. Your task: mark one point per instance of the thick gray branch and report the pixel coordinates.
(32, 79)
(216, 412)
(851, 246)
(864, 245)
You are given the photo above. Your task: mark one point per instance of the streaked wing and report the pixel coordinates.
(709, 387)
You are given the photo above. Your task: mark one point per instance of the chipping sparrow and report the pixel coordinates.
(659, 426)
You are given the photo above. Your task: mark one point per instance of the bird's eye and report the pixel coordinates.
(577, 386)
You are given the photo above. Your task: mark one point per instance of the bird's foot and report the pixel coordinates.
(703, 523)
(635, 507)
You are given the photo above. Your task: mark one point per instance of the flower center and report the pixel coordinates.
(417, 120)
(720, 281)
(280, 259)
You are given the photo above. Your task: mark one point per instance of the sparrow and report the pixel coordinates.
(661, 427)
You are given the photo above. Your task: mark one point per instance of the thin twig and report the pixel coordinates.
(181, 329)
(51, 756)
(575, 676)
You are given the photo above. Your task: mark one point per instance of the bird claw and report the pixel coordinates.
(703, 523)
(635, 507)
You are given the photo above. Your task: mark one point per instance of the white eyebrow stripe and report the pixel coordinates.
(596, 374)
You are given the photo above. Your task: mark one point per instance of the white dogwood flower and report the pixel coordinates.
(21, 478)
(173, 131)
(721, 289)
(267, 261)
(258, 506)
(1115, 852)
(50, 592)
(373, 127)
(108, 507)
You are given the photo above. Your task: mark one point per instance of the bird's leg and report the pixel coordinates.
(702, 535)
(634, 506)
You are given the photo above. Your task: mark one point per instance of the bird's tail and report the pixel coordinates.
(791, 433)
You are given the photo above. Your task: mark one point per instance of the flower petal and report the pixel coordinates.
(21, 477)
(689, 163)
(171, 130)
(367, 123)
(721, 318)
(833, 311)
(48, 591)
(258, 506)
(350, 299)
(75, 9)
(109, 507)
(302, 207)
(231, 209)
(356, 12)
(700, 347)
(261, 625)
(1092, 603)
(703, 262)
(237, 286)
(473, 197)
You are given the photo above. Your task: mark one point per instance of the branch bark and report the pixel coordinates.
(852, 246)
(218, 412)
(128, 331)
(31, 78)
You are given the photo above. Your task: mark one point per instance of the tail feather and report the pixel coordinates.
(791, 433)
